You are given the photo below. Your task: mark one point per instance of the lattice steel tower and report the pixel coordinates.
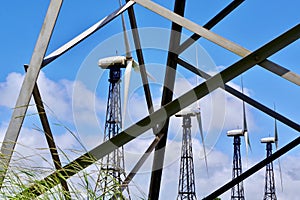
(186, 188)
(237, 191)
(269, 179)
(112, 166)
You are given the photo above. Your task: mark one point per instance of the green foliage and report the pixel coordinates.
(22, 175)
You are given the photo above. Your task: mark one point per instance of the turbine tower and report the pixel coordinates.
(112, 166)
(112, 172)
(269, 179)
(237, 191)
(186, 187)
(270, 193)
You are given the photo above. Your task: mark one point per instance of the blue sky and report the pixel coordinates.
(251, 25)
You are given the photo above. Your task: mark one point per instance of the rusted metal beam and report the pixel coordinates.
(167, 96)
(168, 110)
(30, 79)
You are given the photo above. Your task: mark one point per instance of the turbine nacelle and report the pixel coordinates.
(190, 112)
(268, 140)
(116, 61)
(235, 132)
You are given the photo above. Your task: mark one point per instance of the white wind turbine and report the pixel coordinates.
(244, 130)
(126, 62)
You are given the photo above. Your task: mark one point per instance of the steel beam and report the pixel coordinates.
(254, 169)
(167, 96)
(48, 134)
(69, 45)
(243, 97)
(49, 137)
(210, 24)
(139, 53)
(179, 50)
(24, 97)
(217, 39)
(168, 110)
(141, 161)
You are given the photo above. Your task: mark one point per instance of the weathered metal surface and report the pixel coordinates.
(139, 53)
(69, 45)
(217, 39)
(30, 79)
(167, 96)
(49, 137)
(243, 97)
(210, 24)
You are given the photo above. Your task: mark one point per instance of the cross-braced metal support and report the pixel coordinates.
(112, 171)
(237, 192)
(186, 187)
(269, 178)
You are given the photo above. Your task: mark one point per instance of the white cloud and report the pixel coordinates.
(10, 89)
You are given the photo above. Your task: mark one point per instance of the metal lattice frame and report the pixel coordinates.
(237, 191)
(269, 179)
(186, 186)
(112, 166)
(258, 57)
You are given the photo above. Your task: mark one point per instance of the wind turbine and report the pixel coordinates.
(237, 191)
(113, 165)
(270, 193)
(186, 186)
(197, 111)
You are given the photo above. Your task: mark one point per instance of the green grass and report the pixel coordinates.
(24, 172)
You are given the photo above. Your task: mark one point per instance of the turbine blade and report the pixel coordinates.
(248, 145)
(276, 135)
(127, 47)
(276, 145)
(126, 88)
(136, 68)
(245, 128)
(244, 109)
(150, 76)
(198, 115)
(275, 131)
(280, 174)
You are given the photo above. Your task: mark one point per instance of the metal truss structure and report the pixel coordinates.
(112, 166)
(169, 106)
(269, 179)
(186, 187)
(237, 192)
